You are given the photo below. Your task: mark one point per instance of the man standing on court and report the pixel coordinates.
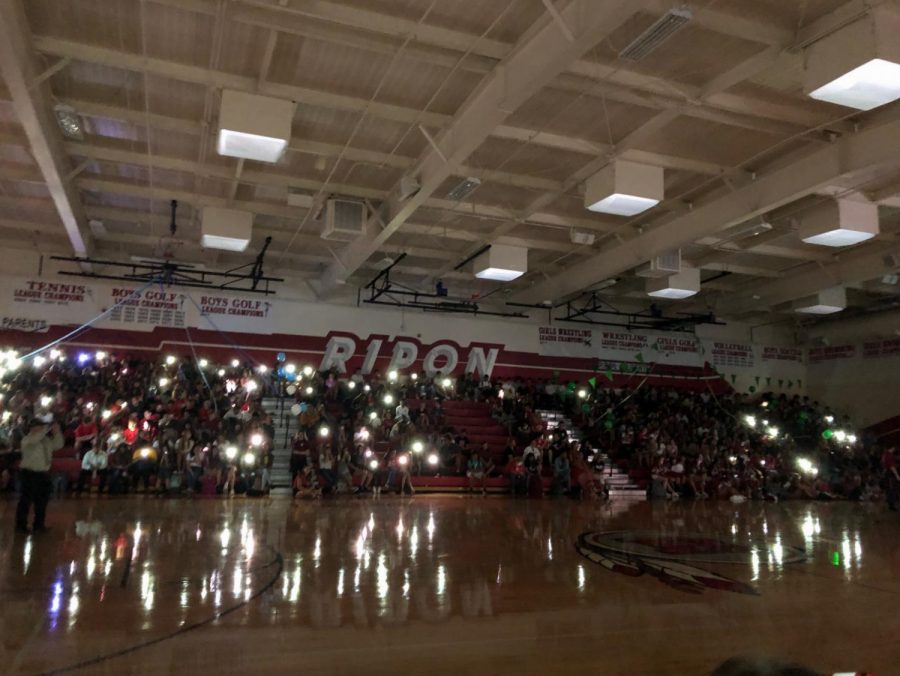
(34, 473)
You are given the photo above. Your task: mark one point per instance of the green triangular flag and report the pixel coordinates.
(768, 381)
(592, 381)
(639, 357)
(608, 374)
(790, 384)
(781, 382)
(799, 383)
(733, 378)
(757, 380)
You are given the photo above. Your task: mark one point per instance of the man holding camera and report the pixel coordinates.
(34, 473)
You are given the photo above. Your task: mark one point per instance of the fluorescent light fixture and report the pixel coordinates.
(857, 66)
(250, 146)
(624, 188)
(826, 302)
(501, 263)
(254, 127)
(226, 229)
(838, 223)
(675, 287)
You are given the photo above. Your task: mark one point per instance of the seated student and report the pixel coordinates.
(562, 474)
(476, 472)
(93, 464)
(306, 484)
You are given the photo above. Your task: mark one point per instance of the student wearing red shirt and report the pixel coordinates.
(130, 433)
(85, 435)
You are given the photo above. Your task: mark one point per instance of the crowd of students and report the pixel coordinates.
(181, 424)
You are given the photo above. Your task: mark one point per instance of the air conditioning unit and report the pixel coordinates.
(345, 220)
(662, 266)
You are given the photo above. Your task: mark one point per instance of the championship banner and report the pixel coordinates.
(731, 355)
(818, 355)
(152, 307)
(621, 346)
(881, 348)
(30, 300)
(782, 354)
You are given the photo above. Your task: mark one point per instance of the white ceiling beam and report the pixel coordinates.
(868, 149)
(270, 178)
(32, 108)
(532, 64)
(849, 268)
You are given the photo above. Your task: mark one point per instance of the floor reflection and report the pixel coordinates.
(145, 567)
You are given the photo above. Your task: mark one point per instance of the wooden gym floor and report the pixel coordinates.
(447, 585)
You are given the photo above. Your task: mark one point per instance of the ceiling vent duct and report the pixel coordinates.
(839, 223)
(254, 127)
(663, 29)
(464, 189)
(345, 220)
(664, 265)
(501, 263)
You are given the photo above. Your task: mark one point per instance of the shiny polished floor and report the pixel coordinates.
(447, 585)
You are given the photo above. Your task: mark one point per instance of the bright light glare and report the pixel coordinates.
(170, 359)
(46, 401)
(235, 363)
(388, 399)
(39, 361)
(772, 431)
(100, 355)
(392, 375)
(623, 205)
(418, 447)
(262, 368)
(256, 439)
(250, 385)
(750, 420)
(309, 390)
(307, 370)
(363, 434)
(403, 460)
(324, 431)
(231, 452)
(851, 438)
(414, 376)
(290, 368)
(163, 382)
(866, 87)
(249, 458)
(840, 436)
(433, 459)
(499, 274)
(582, 394)
(203, 363)
(145, 453)
(373, 464)
(373, 415)
(446, 382)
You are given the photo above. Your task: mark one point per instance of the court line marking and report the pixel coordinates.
(278, 560)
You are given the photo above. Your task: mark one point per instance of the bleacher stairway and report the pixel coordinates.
(285, 426)
(620, 484)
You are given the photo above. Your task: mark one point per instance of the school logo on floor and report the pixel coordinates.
(671, 557)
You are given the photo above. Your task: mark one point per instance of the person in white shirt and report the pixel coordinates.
(93, 464)
(401, 412)
(34, 473)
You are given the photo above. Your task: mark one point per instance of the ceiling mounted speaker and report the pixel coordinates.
(857, 66)
(839, 223)
(624, 188)
(254, 127)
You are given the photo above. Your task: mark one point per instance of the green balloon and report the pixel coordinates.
(586, 408)
(752, 389)
(827, 434)
(608, 424)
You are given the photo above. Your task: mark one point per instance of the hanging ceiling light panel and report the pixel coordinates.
(675, 287)
(226, 229)
(857, 66)
(254, 127)
(825, 302)
(839, 223)
(624, 188)
(501, 263)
